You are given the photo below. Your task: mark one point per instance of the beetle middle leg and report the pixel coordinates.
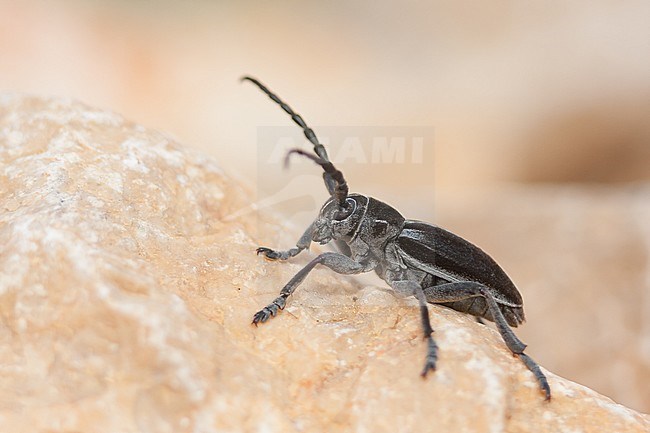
(413, 288)
(339, 263)
(302, 244)
(451, 292)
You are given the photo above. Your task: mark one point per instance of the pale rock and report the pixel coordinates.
(127, 290)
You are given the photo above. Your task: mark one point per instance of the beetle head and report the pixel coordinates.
(334, 223)
(340, 215)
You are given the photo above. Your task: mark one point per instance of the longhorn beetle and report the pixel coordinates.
(413, 257)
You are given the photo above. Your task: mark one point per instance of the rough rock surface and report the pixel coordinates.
(126, 293)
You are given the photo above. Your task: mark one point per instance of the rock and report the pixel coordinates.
(128, 281)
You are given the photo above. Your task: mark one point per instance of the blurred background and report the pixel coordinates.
(533, 124)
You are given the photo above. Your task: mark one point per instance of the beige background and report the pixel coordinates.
(542, 143)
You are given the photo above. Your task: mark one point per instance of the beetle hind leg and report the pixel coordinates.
(534, 368)
(451, 292)
(432, 348)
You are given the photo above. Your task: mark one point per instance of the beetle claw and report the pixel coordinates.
(261, 316)
(268, 253)
(428, 366)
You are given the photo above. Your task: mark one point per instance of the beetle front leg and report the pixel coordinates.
(451, 292)
(302, 244)
(413, 288)
(339, 263)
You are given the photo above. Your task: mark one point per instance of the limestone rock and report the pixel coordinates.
(128, 280)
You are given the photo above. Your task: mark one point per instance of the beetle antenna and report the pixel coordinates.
(319, 149)
(340, 190)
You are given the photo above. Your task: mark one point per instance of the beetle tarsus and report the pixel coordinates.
(534, 368)
(432, 356)
(302, 244)
(270, 310)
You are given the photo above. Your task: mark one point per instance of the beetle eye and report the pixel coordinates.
(342, 214)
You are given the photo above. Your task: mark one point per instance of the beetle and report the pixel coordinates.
(414, 258)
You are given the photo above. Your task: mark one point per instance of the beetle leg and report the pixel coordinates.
(337, 262)
(415, 289)
(462, 290)
(450, 292)
(302, 244)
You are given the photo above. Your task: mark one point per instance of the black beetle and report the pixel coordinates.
(413, 257)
